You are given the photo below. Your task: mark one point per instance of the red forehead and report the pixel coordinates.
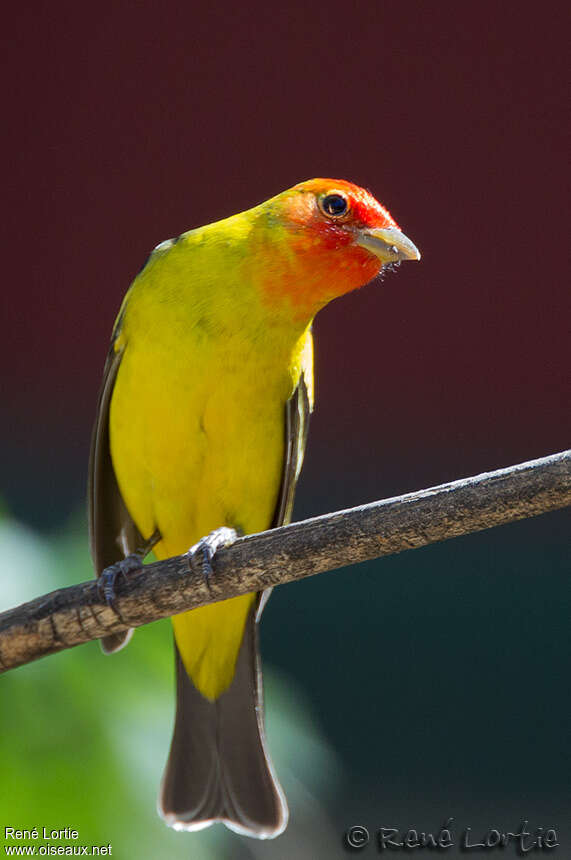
(365, 209)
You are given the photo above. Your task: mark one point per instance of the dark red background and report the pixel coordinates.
(129, 123)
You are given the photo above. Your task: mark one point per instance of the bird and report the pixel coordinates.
(200, 436)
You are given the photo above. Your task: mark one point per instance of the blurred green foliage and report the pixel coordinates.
(84, 738)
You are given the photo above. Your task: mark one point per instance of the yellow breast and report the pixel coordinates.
(197, 427)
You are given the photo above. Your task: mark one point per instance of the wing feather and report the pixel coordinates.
(112, 531)
(297, 411)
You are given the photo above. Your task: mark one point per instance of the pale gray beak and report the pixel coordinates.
(388, 244)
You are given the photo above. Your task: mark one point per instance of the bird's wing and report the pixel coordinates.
(297, 411)
(112, 532)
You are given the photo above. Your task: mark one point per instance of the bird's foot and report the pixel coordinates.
(108, 579)
(203, 552)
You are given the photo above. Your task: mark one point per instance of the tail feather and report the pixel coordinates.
(218, 768)
(116, 641)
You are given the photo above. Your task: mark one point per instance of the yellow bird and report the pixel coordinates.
(201, 426)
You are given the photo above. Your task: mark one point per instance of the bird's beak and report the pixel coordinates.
(388, 244)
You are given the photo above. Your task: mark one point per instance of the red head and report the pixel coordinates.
(328, 237)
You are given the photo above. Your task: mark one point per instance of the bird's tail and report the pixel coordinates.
(218, 768)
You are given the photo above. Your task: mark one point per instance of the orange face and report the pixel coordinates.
(334, 207)
(335, 236)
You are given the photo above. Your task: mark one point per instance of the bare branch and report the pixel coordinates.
(74, 615)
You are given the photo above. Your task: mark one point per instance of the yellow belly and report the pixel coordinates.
(195, 447)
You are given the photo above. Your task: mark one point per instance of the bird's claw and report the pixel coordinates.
(109, 577)
(207, 547)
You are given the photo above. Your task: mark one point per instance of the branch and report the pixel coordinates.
(74, 615)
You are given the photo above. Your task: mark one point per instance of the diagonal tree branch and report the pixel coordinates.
(74, 615)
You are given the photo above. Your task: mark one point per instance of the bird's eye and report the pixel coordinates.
(334, 205)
